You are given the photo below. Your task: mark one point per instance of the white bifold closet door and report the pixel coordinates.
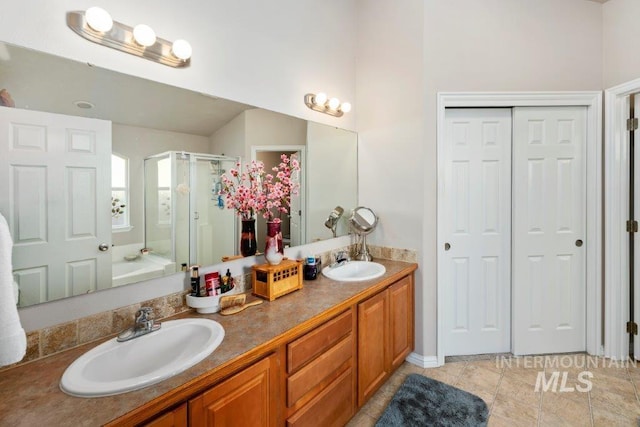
(549, 220)
(477, 199)
(514, 260)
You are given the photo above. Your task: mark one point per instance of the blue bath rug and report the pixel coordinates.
(422, 401)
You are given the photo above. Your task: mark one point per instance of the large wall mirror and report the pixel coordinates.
(108, 179)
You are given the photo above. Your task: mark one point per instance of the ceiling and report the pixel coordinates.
(44, 82)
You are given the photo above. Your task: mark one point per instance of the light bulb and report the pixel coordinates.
(320, 98)
(98, 19)
(334, 103)
(345, 107)
(181, 49)
(144, 35)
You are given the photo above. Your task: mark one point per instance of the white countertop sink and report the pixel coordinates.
(119, 367)
(354, 271)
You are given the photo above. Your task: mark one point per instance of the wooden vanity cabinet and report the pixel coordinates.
(401, 320)
(245, 399)
(321, 374)
(318, 376)
(385, 335)
(174, 418)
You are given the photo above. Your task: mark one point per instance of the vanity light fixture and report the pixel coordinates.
(144, 35)
(95, 24)
(320, 102)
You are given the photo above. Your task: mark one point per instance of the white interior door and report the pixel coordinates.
(549, 203)
(477, 199)
(55, 193)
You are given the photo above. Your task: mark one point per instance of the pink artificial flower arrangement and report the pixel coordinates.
(255, 191)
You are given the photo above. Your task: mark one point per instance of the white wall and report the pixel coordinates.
(621, 31)
(390, 120)
(264, 53)
(269, 128)
(229, 139)
(409, 51)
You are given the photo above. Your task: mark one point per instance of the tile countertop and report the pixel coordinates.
(30, 394)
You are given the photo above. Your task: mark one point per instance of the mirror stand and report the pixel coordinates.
(363, 221)
(363, 253)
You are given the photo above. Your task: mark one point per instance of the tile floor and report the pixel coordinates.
(508, 386)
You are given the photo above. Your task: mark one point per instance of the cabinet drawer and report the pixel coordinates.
(321, 371)
(333, 407)
(307, 347)
(175, 418)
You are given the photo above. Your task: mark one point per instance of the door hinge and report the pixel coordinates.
(632, 226)
(632, 124)
(632, 328)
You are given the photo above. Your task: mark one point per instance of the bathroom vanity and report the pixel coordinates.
(312, 357)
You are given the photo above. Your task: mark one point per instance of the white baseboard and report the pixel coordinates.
(422, 361)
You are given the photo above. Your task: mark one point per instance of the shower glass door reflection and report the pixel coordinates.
(214, 232)
(186, 220)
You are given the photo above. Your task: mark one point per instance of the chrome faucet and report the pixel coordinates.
(341, 258)
(144, 325)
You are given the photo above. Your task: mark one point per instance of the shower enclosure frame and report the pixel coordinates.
(193, 158)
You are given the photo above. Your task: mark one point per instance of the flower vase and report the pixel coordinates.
(274, 250)
(248, 243)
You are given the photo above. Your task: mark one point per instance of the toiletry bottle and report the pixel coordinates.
(223, 286)
(228, 280)
(208, 284)
(195, 281)
(310, 269)
(217, 285)
(212, 283)
(184, 266)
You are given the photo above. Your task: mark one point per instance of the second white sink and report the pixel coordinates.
(119, 367)
(354, 271)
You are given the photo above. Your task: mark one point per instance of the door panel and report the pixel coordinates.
(55, 171)
(477, 198)
(549, 202)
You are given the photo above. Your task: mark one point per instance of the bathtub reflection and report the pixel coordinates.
(143, 268)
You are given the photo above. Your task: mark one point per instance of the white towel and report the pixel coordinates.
(13, 341)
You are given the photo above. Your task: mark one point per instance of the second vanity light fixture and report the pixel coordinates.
(320, 102)
(95, 24)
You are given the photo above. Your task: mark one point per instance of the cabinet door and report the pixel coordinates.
(175, 418)
(373, 345)
(248, 398)
(401, 320)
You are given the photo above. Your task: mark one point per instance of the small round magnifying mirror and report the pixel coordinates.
(363, 221)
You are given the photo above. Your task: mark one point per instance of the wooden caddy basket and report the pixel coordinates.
(273, 281)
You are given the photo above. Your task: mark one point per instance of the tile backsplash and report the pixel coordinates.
(45, 342)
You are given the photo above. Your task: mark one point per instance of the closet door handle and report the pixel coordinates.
(579, 242)
(447, 246)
